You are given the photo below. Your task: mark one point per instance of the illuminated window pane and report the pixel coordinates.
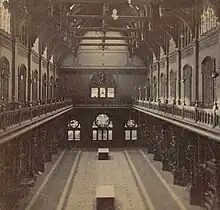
(77, 135)
(94, 92)
(105, 136)
(94, 135)
(99, 134)
(110, 93)
(102, 92)
(127, 135)
(110, 135)
(74, 123)
(134, 134)
(70, 135)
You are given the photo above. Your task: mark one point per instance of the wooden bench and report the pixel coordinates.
(103, 153)
(105, 198)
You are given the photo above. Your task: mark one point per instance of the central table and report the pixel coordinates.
(103, 153)
(105, 198)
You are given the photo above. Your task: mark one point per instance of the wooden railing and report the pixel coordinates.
(198, 115)
(102, 101)
(19, 115)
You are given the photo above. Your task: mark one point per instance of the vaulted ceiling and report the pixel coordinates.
(146, 25)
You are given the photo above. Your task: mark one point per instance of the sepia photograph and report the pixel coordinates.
(109, 105)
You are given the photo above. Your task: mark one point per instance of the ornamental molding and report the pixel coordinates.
(154, 67)
(22, 50)
(44, 62)
(163, 62)
(5, 40)
(108, 71)
(172, 57)
(35, 57)
(187, 51)
(209, 39)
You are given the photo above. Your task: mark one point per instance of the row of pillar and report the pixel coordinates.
(15, 24)
(24, 157)
(193, 159)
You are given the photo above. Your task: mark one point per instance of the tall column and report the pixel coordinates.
(40, 78)
(179, 66)
(13, 61)
(29, 45)
(196, 52)
(151, 83)
(196, 66)
(167, 78)
(158, 80)
(48, 80)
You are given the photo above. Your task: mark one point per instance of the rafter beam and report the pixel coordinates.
(98, 1)
(105, 44)
(104, 29)
(101, 17)
(106, 38)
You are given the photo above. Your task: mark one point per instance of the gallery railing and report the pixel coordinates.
(19, 115)
(198, 115)
(112, 102)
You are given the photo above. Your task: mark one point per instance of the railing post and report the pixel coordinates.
(215, 121)
(196, 111)
(159, 102)
(19, 113)
(183, 111)
(165, 103)
(173, 106)
(39, 108)
(45, 110)
(31, 114)
(4, 117)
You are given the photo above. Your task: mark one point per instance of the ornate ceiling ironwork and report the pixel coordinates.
(151, 22)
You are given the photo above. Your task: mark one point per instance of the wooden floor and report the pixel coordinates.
(71, 180)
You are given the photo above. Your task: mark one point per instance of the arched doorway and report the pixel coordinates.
(4, 82)
(207, 82)
(187, 82)
(51, 86)
(155, 88)
(44, 87)
(162, 86)
(35, 86)
(148, 90)
(22, 84)
(172, 84)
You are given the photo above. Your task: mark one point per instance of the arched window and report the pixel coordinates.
(162, 85)
(56, 89)
(172, 84)
(155, 88)
(22, 83)
(207, 83)
(4, 79)
(208, 20)
(51, 87)
(44, 86)
(34, 85)
(102, 128)
(102, 86)
(74, 131)
(131, 130)
(187, 82)
(148, 89)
